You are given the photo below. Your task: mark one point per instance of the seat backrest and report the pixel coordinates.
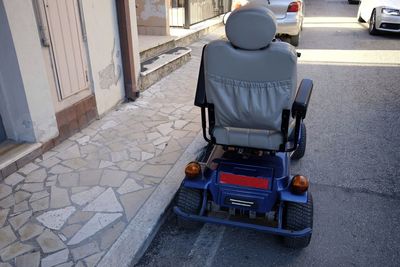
(250, 79)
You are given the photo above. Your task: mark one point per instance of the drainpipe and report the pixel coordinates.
(125, 35)
(187, 14)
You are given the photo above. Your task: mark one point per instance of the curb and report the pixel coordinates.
(137, 236)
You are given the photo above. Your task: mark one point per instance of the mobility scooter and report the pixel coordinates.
(252, 118)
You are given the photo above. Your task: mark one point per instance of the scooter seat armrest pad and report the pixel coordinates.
(200, 99)
(302, 99)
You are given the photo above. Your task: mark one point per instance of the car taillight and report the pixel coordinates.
(294, 7)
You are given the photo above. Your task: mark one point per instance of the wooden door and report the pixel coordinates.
(67, 46)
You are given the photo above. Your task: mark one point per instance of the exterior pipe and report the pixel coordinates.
(125, 35)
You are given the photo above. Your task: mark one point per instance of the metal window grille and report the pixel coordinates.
(185, 13)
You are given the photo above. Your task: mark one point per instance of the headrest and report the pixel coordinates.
(251, 27)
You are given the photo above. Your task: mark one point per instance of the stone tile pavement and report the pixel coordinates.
(69, 206)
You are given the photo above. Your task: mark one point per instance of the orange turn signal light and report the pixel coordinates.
(193, 169)
(299, 184)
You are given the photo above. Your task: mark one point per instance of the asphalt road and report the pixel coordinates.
(352, 158)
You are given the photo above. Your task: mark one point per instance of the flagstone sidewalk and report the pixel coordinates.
(69, 206)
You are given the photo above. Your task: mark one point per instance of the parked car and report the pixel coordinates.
(289, 16)
(382, 15)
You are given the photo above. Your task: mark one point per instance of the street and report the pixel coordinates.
(352, 158)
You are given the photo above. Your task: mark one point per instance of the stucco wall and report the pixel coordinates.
(25, 99)
(153, 17)
(104, 52)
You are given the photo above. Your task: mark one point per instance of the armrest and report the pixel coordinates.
(200, 98)
(302, 99)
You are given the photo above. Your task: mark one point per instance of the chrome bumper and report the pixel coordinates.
(290, 25)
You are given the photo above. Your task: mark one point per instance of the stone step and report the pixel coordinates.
(7, 146)
(157, 47)
(14, 156)
(154, 69)
(161, 55)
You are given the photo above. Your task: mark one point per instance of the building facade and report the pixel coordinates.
(61, 66)
(65, 63)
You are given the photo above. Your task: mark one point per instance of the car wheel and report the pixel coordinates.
(189, 200)
(296, 217)
(372, 24)
(294, 39)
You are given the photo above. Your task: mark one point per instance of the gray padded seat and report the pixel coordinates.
(250, 80)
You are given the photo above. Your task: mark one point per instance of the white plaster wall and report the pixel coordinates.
(24, 84)
(104, 52)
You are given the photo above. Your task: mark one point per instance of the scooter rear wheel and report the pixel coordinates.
(189, 200)
(298, 216)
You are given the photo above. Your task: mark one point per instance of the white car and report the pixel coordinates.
(289, 16)
(382, 15)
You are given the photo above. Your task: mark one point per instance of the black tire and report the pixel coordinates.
(297, 217)
(359, 18)
(353, 2)
(301, 148)
(294, 39)
(189, 200)
(372, 24)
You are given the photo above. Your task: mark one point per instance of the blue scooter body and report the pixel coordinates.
(257, 184)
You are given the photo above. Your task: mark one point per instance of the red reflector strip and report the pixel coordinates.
(242, 180)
